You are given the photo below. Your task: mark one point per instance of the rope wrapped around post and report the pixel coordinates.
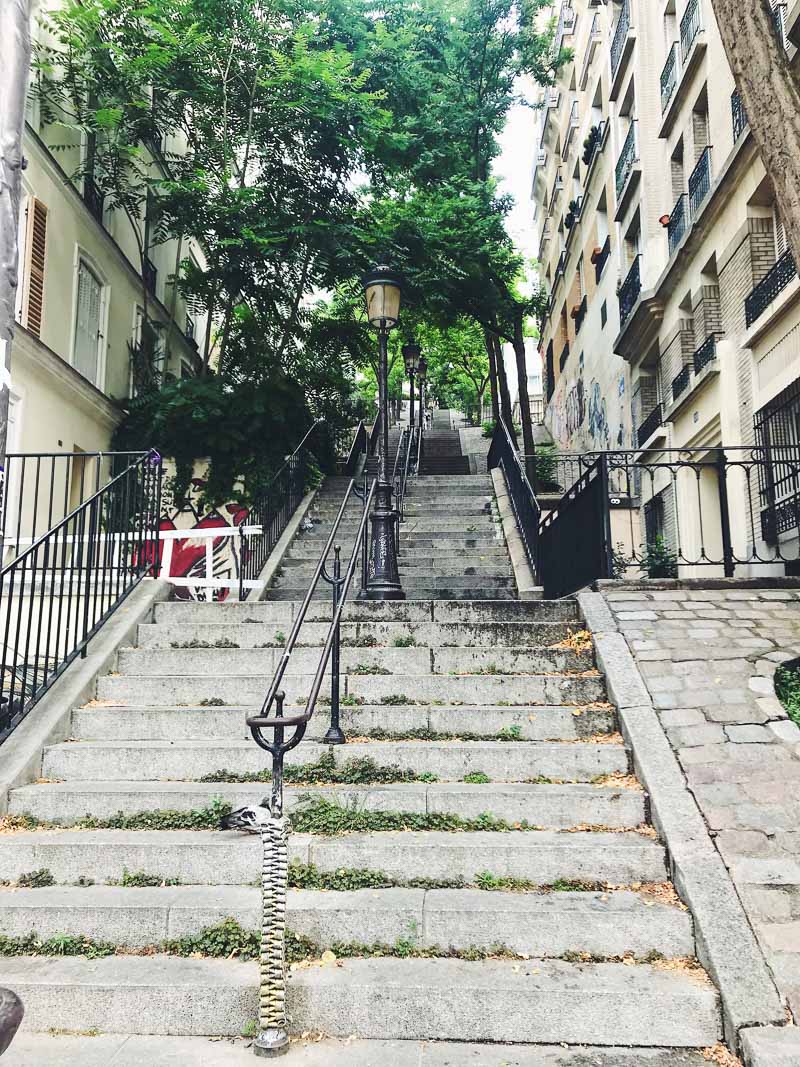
(273, 1034)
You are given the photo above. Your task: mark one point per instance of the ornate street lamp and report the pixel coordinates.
(422, 373)
(411, 358)
(382, 291)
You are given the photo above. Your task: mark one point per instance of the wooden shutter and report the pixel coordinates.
(35, 255)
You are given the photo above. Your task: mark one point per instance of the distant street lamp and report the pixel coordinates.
(411, 358)
(382, 289)
(422, 373)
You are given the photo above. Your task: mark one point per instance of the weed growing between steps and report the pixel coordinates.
(367, 668)
(423, 733)
(198, 819)
(221, 642)
(32, 880)
(787, 689)
(318, 815)
(361, 770)
(506, 884)
(142, 880)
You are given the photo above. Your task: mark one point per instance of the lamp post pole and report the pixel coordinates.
(422, 370)
(383, 577)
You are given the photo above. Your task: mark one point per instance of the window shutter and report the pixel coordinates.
(87, 324)
(781, 241)
(35, 255)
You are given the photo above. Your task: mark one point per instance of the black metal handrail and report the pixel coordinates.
(56, 594)
(358, 448)
(503, 454)
(669, 76)
(770, 286)
(676, 227)
(700, 181)
(374, 436)
(279, 745)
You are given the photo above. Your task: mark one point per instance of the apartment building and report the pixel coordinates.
(81, 302)
(667, 260)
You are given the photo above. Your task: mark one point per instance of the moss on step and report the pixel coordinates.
(361, 770)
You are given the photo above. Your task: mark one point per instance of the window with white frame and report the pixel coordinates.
(88, 337)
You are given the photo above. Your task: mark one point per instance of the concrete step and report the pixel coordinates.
(418, 659)
(444, 503)
(427, 634)
(214, 857)
(66, 1050)
(494, 1000)
(551, 807)
(542, 925)
(432, 523)
(488, 587)
(419, 584)
(522, 690)
(409, 610)
(113, 723)
(412, 566)
(189, 760)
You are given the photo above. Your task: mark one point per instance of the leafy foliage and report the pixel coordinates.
(356, 771)
(787, 688)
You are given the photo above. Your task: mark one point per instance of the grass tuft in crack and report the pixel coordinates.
(324, 771)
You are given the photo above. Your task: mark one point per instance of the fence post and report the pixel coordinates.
(607, 559)
(334, 735)
(724, 513)
(89, 564)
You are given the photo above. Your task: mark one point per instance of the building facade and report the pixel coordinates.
(675, 302)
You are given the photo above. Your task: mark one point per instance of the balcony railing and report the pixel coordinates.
(580, 315)
(572, 126)
(562, 359)
(93, 198)
(630, 290)
(676, 227)
(558, 185)
(770, 287)
(700, 181)
(602, 259)
(669, 76)
(691, 25)
(680, 383)
(628, 157)
(562, 263)
(779, 20)
(739, 115)
(566, 24)
(150, 274)
(650, 425)
(591, 45)
(621, 31)
(705, 354)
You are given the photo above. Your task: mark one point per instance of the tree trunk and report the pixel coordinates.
(502, 386)
(493, 390)
(524, 401)
(15, 56)
(770, 93)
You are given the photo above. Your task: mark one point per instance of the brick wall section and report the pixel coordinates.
(708, 659)
(676, 355)
(706, 313)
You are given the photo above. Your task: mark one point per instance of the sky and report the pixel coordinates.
(514, 169)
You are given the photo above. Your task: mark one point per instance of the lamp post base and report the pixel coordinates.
(272, 1042)
(383, 577)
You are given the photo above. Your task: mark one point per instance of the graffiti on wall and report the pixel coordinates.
(584, 418)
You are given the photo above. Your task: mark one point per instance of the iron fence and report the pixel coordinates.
(57, 593)
(575, 537)
(503, 454)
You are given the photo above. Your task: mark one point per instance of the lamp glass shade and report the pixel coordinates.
(411, 356)
(382, 291)
(422, 369)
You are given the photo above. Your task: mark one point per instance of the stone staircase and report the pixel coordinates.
(441, 453)
(497, 882)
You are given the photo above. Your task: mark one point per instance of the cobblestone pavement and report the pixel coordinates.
(708, 658)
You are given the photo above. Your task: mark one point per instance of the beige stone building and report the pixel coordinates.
(80, 305)
(674, 319)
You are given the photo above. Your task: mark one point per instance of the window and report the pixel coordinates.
(777, 427)
(88, 324)
(35, 252)
(781, 241)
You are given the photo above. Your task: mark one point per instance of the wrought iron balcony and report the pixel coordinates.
(650, 425)
(676, 227)
(705, 354)
(621, 31)
(581, 315)
(770, 287)
(739, 115)
(630, 290)
(700, 181)
(779, 20)
(680, 383)
(558, 185)
(627, 158)
(562, 263)
(602, 259)
(566, 24)
(562, 359)
(93, 198)
(691, 25)
(669, 76)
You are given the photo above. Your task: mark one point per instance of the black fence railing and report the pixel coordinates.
(676, 227)
(503, 454)
(575, 537)
(738, 115)
(680, 383)
(628, 157)
(770, 287)
(691, 25)
(271, 510)
(352, 453)
(701, 510)
(93, 198)
(621, 31)
(669, 76)
(649, 425)
(705, 354)
(57, 593)
(629, 290)
(700, 181)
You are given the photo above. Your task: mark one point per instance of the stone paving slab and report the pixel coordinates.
(708, 653)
